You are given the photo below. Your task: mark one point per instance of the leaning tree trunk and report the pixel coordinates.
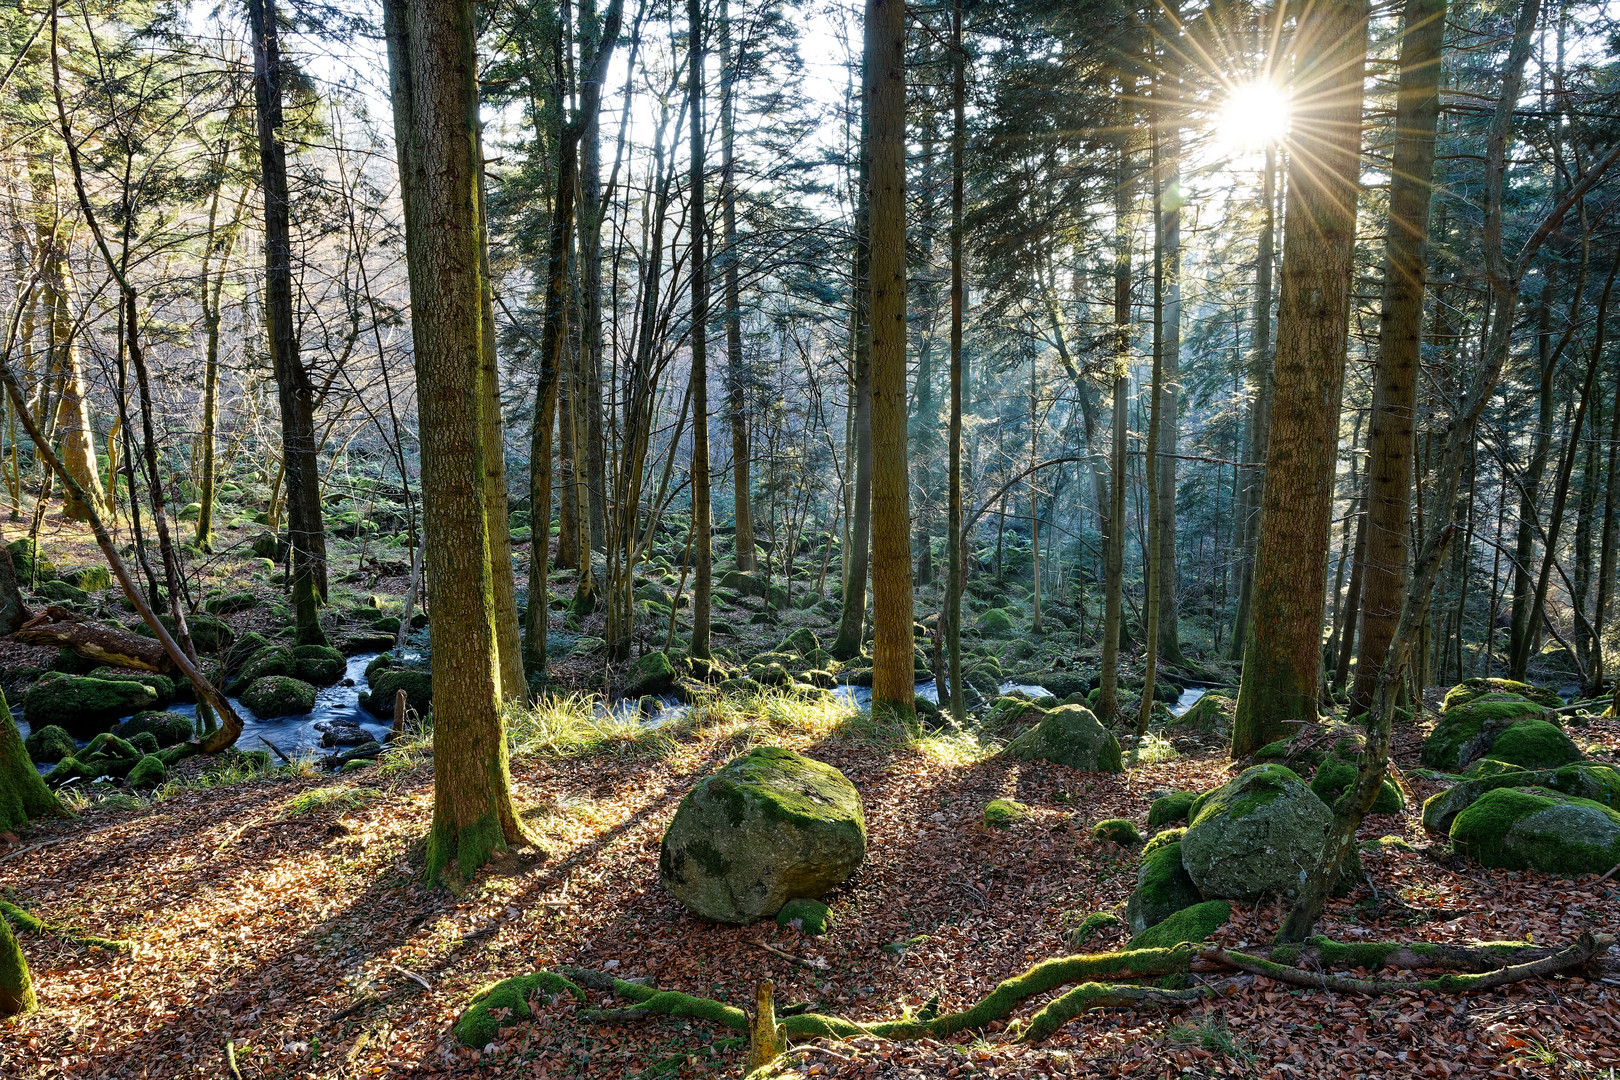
(1400, 335)
(433, 80)
(16, 985)
(23, 794)
(1283, 658)
(295, 391)
(893, 649)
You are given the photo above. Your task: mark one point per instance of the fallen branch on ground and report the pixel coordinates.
(25, 922)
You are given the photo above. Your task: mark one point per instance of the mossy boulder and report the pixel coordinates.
(1467, 730)
(1211, 712)
(386, 684)
(148, 772)
(1190, 924)
(1258, 835)
(145, 742)
(1015, 712)
(1470, 689)
(652, 673)
(1069, 735)
(997, 622)
(279, 695)
(806, 916)
(61, 592)
(1537, 828)
(1163, 837)
(1584, 780)
(319, 665)
(208, 633)
(1117, 831)
(1163, 887)
(88, 578)
(29, 562)
(1535, 744)
(261, 664)
(1170, 808)
(83, 706)
(800, 642)
(50, 744)
(168, 728)
(1004, 813)
(161, 685)
(766, 828)
(510, 999)
(230, 603)
(1335, 776)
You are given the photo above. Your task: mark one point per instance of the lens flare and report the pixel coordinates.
(1254, 116)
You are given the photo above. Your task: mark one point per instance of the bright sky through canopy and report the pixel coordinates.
(1254, 116)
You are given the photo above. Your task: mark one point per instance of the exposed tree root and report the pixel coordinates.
(25, 922)
(1480, 967)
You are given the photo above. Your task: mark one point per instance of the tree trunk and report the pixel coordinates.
(1170, 199)
(295, 391)
(433, 80)
(1152, 572)
(1262, 377)
(1400, 336)
(23, 794)
(954, 562)
(1282, 661)
(736, 377)
(852, 620)
(16, 986)
(701, 520)
(1114, 573)
(893, 649)
(1522, 629)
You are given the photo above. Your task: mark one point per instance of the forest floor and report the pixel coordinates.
(284, 914)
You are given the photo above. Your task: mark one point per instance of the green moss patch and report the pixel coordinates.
(1170, 808)
(1534, 744)
(1538, 829)
(481, 1022)
(1470, 689)
(1003, 813)
(807, 916)
(1116, 831)
(1190, 924)
(1466, 731)
(1163, 888)
(1336, 776)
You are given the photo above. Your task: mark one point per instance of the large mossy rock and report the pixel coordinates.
(168, 728)
(319, 665)
(1069, 735)
(50, 744)
(1258, 835)
(83, 706)
(279, 695)
(1467, 730)
(1584, 780)
(997, 622)
(1470, 689)
(652, 673)
(1335, 776)
(1211, 712)
(1190, 924)
(1163, 888)
(1538, 829)
(161, 685)
(1535, 744)
(767, 828)
(386, 684)
(263, 663)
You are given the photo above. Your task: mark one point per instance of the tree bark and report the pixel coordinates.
(1400, 337)
(701, 518)
(433, 80)
(736, 376)
(1114, 573)
(1170, 200)
(857, 552)
(953, 555)
(1282, 661)
(893, 648)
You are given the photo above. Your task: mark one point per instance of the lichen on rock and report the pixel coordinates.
(1069, 735)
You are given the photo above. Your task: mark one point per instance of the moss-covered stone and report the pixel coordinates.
(1090, 927)
(145, 742)
(1212, 712)
(417, 684)
(652, 673)
(1258, 835)
(1010, 713)
(230, 603)
(49, 744)
(1335, 776)
(89, 578)
(1003, 813)
(1471, 689)
(1467, 730)
(61, 592)
(161, 685)
(168, 728)
(1538, 829)
(800, 642)
(1163, 837)
(765, 828)
(1534, 744)
(807, 916)
(318, 665)
(148, 772)
(1584, 780)
(29, 562)
(263, 663)
(208, 634)
(1116, 831)
(1163, 887)
(478, 1026)
(1190, 924)
(997, 622)
(1170, 808)
(81, 705)
(1069, 735)
(279, 695)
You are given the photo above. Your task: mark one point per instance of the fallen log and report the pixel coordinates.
(1484, 967)
(96, 641)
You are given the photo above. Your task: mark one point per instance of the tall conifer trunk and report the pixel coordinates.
(1114, 558)
(1282, 661)
(701, 520)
